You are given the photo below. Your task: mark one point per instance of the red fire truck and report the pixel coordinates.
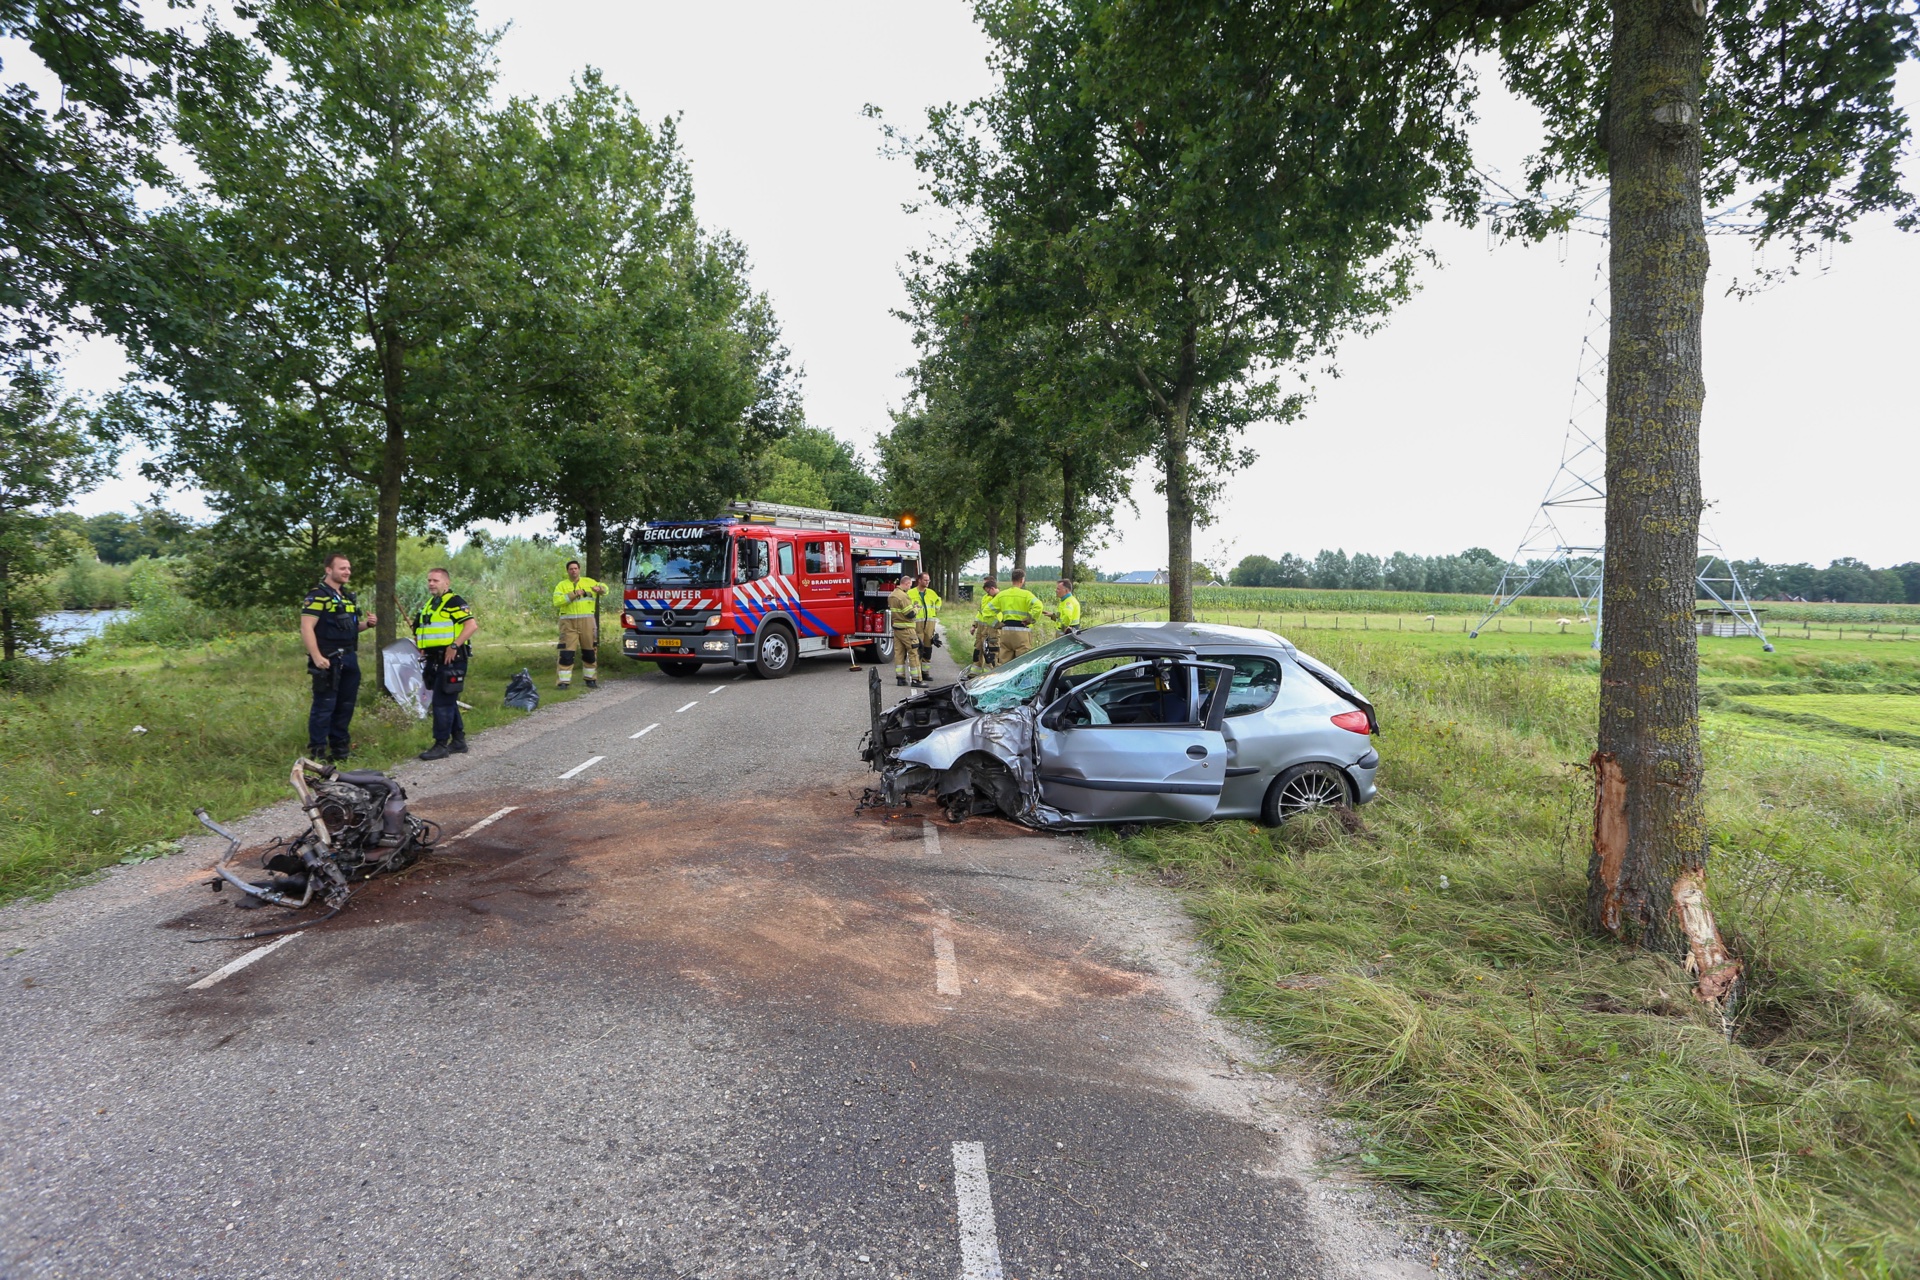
(763, 586)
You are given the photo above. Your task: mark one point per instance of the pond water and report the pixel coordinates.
(71, 626)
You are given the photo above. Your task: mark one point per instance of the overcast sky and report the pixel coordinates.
(1443, 428)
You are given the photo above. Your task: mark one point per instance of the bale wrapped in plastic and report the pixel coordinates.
(401, 664)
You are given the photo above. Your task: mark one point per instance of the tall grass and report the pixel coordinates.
(1565, 1099)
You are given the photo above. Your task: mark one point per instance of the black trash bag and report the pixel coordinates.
(521, 695)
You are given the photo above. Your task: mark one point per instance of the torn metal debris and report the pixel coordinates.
(358, 826)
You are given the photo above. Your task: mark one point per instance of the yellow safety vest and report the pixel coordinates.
(574, 608)
(926, 603)
(1017, 607)
(1069, 611)
(437, 625)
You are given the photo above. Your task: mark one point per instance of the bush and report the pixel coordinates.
(163, 614)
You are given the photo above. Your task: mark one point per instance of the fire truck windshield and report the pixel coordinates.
(685, 556)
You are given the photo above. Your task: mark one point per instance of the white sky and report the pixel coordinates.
(1441, 432)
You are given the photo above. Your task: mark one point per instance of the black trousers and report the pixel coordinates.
(335, 693)
(447, 724)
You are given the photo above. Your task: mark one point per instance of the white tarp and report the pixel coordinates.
(401, 664)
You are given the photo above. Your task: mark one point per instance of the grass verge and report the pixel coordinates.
(1564, 1099)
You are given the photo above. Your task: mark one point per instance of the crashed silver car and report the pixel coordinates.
(1130, 723)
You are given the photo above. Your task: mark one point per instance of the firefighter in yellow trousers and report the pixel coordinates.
(906, 639)
(926, 608)
(575, 598)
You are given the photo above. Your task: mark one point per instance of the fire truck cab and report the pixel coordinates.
(763, 586)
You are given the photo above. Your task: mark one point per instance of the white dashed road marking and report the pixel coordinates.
(694, 703)
(946, 974)
(232, 967)
(644, 732)
(979, 1239)
(718, 689)
(929, 840)
(487, 821)
(581, 768)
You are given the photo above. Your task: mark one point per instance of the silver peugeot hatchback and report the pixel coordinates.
(1136, 722)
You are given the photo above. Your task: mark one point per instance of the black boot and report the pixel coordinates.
(438, 751)
(340, 756)
(901, 681)
(458, 746)
(592, 683)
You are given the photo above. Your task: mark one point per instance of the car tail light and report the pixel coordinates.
(627, 620)
(1353, 722)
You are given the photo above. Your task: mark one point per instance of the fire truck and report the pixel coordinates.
(763, 586)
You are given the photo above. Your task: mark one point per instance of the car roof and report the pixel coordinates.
(1201, 637)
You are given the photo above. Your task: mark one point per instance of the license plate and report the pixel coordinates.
(666, 644)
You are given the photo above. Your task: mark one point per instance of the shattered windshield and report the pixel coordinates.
(686, 557)
(1017, 681)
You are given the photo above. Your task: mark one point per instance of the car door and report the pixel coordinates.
(826, 584)
(1168, 764)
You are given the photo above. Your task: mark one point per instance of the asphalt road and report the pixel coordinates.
(684, 1012)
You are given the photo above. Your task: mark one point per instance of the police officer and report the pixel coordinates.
(926, 607)
(574, 597)
(1018, 607)
(442, 630)
(906, 640)
(330, 627)
(1068, 612)
(986, 626)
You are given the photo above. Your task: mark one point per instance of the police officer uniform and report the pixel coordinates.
(1018, 607)
(436, 631)
(336, 690)
(906, 640)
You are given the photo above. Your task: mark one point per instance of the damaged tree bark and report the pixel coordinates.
(1647, 874)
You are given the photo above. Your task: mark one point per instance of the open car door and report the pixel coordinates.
(1139, 743)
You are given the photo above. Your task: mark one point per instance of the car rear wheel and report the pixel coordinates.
(1302, 788)
(774, 655)
(680, 668)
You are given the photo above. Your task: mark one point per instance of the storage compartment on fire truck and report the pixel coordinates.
(876, 571)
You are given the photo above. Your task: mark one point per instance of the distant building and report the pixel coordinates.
(1145, 577)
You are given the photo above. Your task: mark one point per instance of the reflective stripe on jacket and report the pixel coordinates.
(1018, 607)
(926, 604)
(1069, 611)
(900, 606)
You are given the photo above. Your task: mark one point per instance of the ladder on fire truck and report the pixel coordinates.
(790, 517)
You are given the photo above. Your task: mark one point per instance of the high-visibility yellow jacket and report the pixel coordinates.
(1069, 611)
(989, 613)
(574, 608)
(1018, 607)
(438, 623)
(926, 604)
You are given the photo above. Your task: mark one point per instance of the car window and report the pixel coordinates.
(1014, 682)
(1137, 693)
(1256, 682)
(786, 559)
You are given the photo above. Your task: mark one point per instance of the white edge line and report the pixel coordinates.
(644, 732)
(487, 821)
(234, 966)
(719, 689)
(690, 705)
(973, 1192)
(581, 768)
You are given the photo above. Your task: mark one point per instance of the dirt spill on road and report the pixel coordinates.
(792, 899)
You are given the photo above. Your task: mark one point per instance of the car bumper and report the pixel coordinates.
(707, 646)
(1362, 771)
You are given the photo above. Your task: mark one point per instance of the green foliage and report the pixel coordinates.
(1563, 1100)
(812, 467)
(49, 454)
(155, 532)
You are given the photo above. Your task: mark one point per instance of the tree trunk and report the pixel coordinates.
(993, 545)
(1176, 464)
(1645, 877)
(6, 610)
(1069, 519)
(393, 477)
(1020, 527)
(593, 541)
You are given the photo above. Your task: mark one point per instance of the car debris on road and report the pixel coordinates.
(1133, 722)
(358, 826)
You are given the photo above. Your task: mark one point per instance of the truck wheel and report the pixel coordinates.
(878, 654)
(680, 669)
(775, 654)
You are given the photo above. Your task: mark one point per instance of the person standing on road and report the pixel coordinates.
(330, 627)
(906, 640)
(1067, 614)
(986, 626)
(926, 607)
(1018, 607)
(442, 631)
(576, 599)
